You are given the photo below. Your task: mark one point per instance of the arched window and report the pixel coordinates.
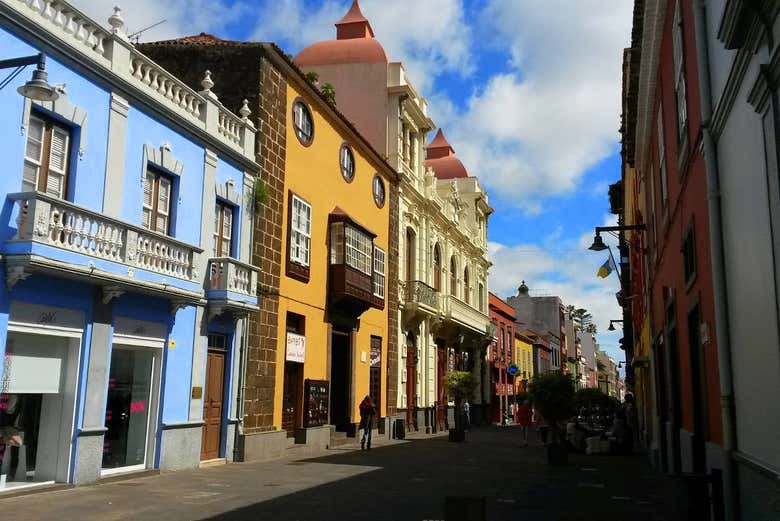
(410, 254)
(466, 287)
(437, 268)
(453, 277)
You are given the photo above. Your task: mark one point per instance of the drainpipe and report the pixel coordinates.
(718, 270)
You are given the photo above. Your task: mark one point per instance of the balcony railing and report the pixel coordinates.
(420, 293)
(228, 274)
(461, 312)
(61, 224)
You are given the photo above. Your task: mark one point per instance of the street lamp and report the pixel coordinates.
(612, 324)
(38, 88)
(598, 242)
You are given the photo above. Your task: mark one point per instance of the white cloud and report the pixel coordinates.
(534, 129)
(429, 37)
(565, 268)
(182, 17)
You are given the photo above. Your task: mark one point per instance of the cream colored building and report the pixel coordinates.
(442, 218)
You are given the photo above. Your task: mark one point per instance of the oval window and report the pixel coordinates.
(379, 191)
(303, 122)
(347, 163)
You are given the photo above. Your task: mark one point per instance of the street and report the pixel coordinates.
(395, 481)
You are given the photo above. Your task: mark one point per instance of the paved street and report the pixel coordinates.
(397, 481)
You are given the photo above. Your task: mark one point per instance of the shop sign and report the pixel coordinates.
(296, 348)
(316, 401)
(376, 356)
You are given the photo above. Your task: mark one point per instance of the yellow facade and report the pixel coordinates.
(525, 354)
(313, 173)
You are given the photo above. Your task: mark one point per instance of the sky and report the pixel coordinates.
(526, 91)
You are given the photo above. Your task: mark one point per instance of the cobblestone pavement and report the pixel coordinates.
(396, 481)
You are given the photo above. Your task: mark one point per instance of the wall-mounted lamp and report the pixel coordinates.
(38, 88)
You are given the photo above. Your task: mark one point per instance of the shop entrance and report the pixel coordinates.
(37, 403)
(340, 380)
(291, 397)
(131, 408)
(213, 398)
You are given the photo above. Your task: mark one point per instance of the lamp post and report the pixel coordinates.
(612, 324)
(38, 87)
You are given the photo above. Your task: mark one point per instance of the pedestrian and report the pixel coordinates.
(541, 426)
(367, 413)
(524, 419)
(467, 415)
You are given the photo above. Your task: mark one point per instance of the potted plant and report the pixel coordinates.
(460, 386)
(553, 396)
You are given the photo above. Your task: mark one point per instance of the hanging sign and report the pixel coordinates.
(296, 348)
(512, 370)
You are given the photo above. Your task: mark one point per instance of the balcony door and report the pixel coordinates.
(437, 268)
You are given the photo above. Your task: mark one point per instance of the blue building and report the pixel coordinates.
(125, 228)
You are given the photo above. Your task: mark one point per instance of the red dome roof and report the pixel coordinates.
(354, 43)
(441, 157)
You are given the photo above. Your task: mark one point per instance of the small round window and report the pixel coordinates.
(303, 122)
(347, 163)
(379, 191)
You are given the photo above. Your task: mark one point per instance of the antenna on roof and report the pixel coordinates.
(136, 36)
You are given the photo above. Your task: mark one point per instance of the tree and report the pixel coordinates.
(553, 395)
(460, 386)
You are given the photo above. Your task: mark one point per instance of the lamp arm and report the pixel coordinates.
(24, 61)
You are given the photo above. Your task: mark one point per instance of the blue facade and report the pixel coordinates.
(128, 311)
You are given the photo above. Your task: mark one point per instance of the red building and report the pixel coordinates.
(500, 357)
(670, 271)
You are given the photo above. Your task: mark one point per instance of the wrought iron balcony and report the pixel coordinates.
(50, 231)
(232, 286)
(419, 301)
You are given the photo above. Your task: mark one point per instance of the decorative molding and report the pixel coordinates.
(111, 292)
(177, 304)
(119, 104)
(162, 158)
(14, 274)
(766, 82)
(227, 193)
(63, 108)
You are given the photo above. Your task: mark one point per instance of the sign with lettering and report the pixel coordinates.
(46, 316)
(296, 348)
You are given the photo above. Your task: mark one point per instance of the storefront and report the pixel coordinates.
(38, 394)
(133, 395)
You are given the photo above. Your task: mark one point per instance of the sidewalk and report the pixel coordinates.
(398, 480)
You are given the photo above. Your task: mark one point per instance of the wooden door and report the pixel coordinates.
(212, 405)
(441, 402)
(291, 398)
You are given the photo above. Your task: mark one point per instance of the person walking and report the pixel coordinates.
(541, 426)
(467, 415)
(524, 419)
(367, 413)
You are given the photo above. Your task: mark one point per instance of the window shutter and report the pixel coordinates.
(163, 205)
(54, 184)
(29, 177)
(34, 139)
(58, 158)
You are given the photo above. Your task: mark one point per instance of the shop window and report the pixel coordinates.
(46, 157)
(375, 374)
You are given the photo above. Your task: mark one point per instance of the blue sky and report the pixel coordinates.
(527, 92)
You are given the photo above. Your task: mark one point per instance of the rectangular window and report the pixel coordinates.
(679, 73)
(300, 231)
(358, 250)
(223, 230)
(46, 157)
(662, 160)
(157, 201)
(379, 272)
(689, 256)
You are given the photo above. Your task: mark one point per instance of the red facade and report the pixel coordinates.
(502, 315)
(672, 180)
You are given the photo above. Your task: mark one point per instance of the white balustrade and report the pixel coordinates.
(230, 126)
(228, 274)
(54, 222)
(165, 84)
(464, 313)
(70, 20)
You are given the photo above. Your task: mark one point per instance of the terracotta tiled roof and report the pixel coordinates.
(199, 39)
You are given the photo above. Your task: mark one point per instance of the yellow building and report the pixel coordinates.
(334, 280)
(524, 351)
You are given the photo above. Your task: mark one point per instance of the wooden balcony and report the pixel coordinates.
(350, 290)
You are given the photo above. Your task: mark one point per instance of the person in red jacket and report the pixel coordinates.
(524, 419)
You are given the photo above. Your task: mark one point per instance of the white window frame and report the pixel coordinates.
(50, 127)
(221, 210)
(358, 250)
(304, 127)
(379, 272)
(154, 210)
(678, 58)
(300, 232)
